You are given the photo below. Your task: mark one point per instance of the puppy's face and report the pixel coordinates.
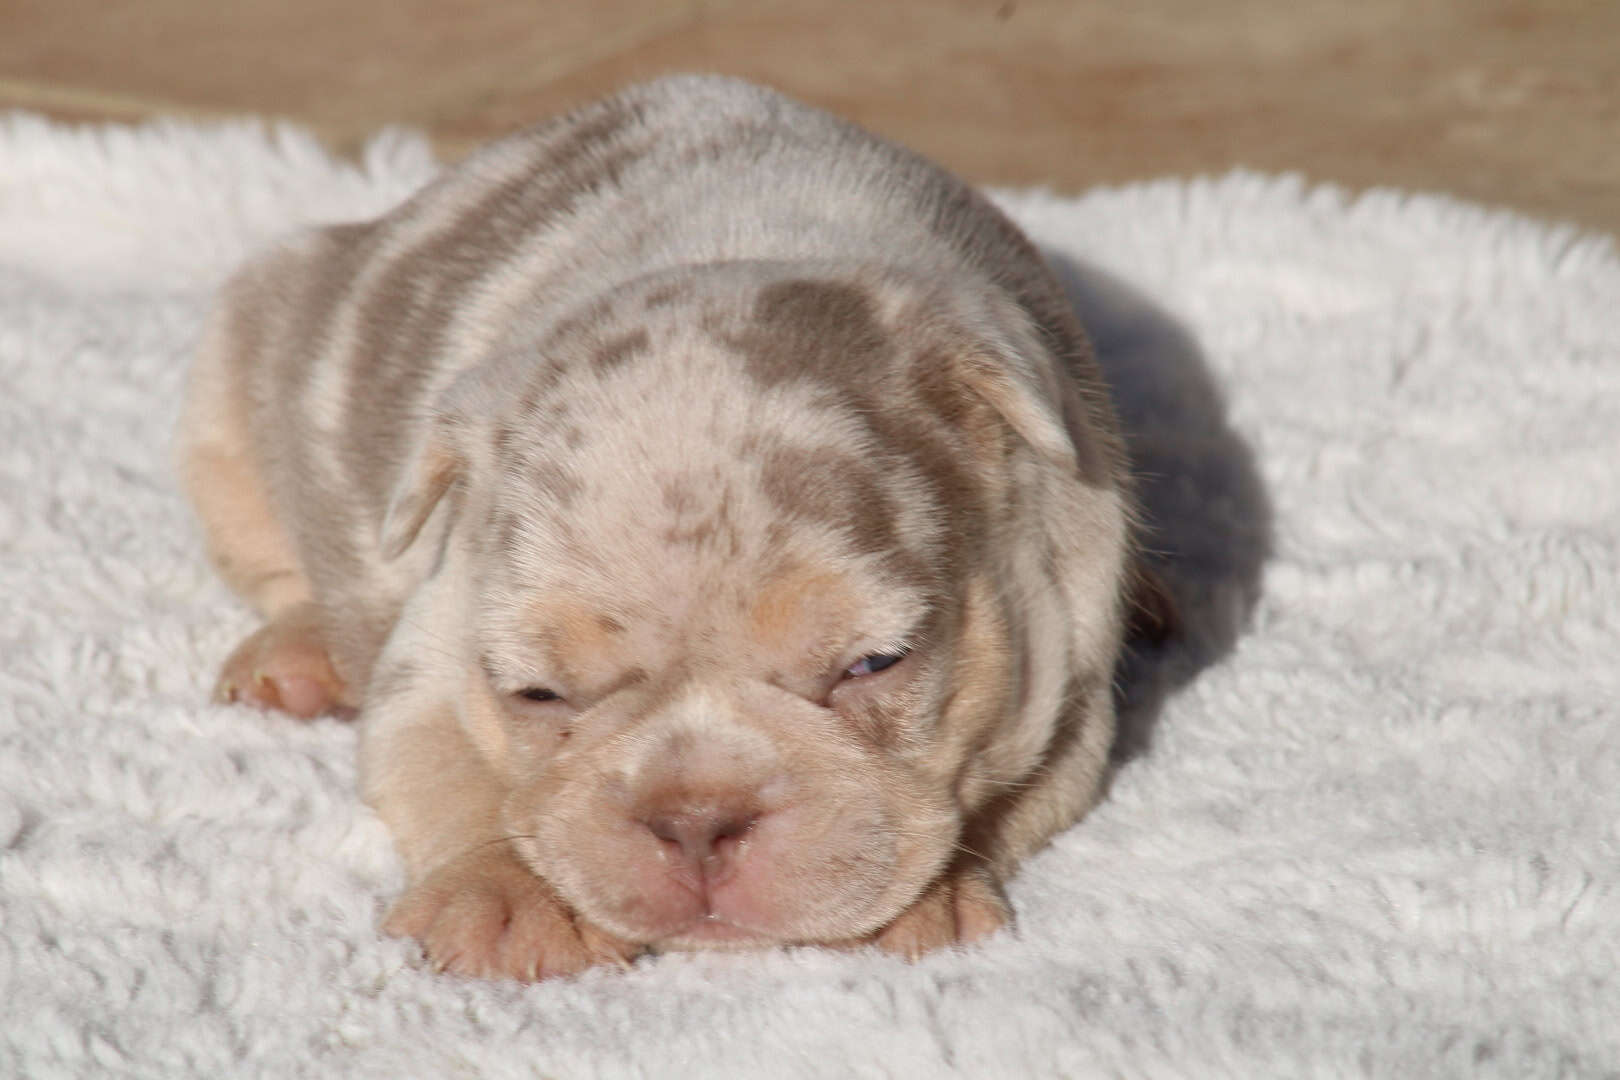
(743, 649)
(745, 753)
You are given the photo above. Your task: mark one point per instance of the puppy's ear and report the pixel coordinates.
(434, 465)
(441, 457)
(1079, 497)
(1020, 395)
(1012, 371)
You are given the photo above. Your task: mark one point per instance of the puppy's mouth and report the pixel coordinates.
(727, 838)
(793, 875)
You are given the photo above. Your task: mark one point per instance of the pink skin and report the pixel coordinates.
(284, 666)
(702, 880)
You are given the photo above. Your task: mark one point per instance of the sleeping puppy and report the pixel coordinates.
(714, 514)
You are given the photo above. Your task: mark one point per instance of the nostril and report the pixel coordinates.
(665, 827)
(700, 834)
(732, 828)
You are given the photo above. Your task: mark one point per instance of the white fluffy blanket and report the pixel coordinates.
(1368, 817)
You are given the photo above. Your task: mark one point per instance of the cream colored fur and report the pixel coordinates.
(676, 409)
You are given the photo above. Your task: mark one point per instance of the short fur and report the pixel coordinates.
(677, 407)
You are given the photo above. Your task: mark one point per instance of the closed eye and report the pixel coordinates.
(538, 693)
(871, 665)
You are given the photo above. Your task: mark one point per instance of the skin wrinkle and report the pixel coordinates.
(987, 819)
(1012, 684)
(884, 719)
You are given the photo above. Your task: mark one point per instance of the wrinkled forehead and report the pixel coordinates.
(721, 564)
(696, 533)
(699, 434)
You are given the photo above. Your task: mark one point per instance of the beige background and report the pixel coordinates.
(1513, 102)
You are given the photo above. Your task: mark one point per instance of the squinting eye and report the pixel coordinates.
(539, 693)
(871, 665)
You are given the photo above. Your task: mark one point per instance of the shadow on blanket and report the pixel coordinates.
(1208, 517)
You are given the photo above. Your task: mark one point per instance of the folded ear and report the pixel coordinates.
(1063, 415)
(1023, 398)
(443, 453)
(1079, 498)
(435, 463)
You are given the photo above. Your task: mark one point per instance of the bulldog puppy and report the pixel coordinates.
(713, 512)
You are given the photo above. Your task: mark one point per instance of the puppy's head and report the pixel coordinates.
(772, 581)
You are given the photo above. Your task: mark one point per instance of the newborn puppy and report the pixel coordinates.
(713, 512)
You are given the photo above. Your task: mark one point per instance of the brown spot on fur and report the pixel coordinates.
(678, 495)
(714, 530)
(831, 488)
(609, 624)
(696, 535)
(543, 380)
(829, 332)
(938, 381)
(667, 295)
(505, 442)
(620, 349)
(296, 295)
(689, 525)
(957, 445)
(506, 527)
(820, 330)
(563, 485)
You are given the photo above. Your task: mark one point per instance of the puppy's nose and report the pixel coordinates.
(705, 834)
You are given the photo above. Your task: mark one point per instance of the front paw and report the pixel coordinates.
(963, 905)
(285, 665)
(487, 915)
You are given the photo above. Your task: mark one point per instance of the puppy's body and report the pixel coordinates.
(713, 510)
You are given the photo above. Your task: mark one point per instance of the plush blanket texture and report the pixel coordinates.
(1367, 816)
